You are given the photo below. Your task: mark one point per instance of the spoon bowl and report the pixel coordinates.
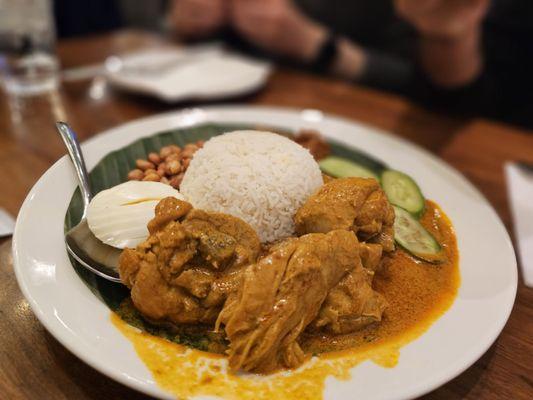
(81, 243)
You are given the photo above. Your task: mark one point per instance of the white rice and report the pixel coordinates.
(260, 177)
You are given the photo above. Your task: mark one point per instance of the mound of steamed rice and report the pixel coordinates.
(260, 177)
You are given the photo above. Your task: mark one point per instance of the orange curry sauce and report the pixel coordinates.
(418, 293)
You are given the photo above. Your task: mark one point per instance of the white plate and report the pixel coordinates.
(80, 321)
(196, 73)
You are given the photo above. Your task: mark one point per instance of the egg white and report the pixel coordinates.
(119, 216)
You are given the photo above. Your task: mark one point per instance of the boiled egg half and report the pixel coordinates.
(119, 216)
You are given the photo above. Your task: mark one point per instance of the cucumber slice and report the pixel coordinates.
(413, 237)
(403, 191)
(343, 168)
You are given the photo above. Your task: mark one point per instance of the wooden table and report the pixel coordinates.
(35, 366)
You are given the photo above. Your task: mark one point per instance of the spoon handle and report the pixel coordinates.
(76, 156)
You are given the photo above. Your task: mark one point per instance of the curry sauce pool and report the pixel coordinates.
(418, 294)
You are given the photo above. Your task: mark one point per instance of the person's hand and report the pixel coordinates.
(277, 26)
(198, 18)
(450, 38)
(448, 19)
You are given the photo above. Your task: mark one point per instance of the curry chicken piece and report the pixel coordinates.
(190, 262)
(281, 295)
(358, 205)
(352, 304)
(355, 204)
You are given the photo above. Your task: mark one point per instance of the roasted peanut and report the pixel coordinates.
(173, 167)
(190, 146)
(167, 166)
(144, 164)
(154, 158)
(175, 181)
(161, 169)
(152, 178)
(314, 142)
(188, 153)
(172, 156)
(165, 152)
(175, 148)
(135, 175)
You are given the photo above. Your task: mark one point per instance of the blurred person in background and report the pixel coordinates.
(468, 56)
(343, 37)
(474, 56)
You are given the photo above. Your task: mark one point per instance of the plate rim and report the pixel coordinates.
(451, 372)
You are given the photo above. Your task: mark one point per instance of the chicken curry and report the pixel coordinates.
(339, 284)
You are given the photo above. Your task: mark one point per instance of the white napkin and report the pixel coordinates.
(520, 191)
(7, 223)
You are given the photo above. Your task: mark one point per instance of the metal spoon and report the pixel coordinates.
(90, 252)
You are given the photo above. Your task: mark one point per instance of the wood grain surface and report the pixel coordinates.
(35, 366)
